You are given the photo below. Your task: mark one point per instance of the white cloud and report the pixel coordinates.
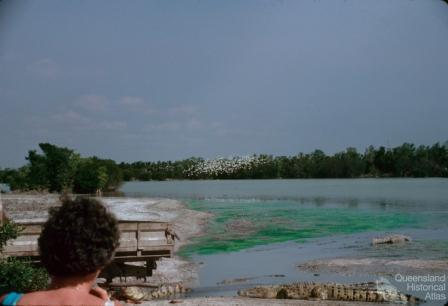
(71, 117)
(93, 103)
(45, 68)
(136, 104)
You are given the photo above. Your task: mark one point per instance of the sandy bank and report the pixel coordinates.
(28, 207)
(349, 266)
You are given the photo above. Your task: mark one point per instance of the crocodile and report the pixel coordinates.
(145, 292)
(361, 292)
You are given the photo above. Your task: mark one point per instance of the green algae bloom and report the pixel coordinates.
(241, 224)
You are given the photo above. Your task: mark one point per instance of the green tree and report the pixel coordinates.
(113, 173)
(285, 166)
(318, 164)
(421, 166)
(354, 163)
(57, 167)
(404, 159)
(38, 176)
(384, 161)
(90, 176)
(17, 179)
(369, 160)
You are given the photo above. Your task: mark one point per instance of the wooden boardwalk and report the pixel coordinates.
(139, 241)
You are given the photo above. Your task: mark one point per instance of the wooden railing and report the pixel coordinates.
(139, 241)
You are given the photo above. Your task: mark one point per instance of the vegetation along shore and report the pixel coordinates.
(59, 169)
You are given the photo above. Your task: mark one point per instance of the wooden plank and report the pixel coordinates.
(148, 239)
(21, 253)
(166, 247)
(128, 241)
(135, 236)
(128, 226)
(31, 229)
(152, 226)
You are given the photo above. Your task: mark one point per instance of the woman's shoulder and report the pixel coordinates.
(29, 297)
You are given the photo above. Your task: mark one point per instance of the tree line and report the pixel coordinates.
(405, 160)
(59, 169)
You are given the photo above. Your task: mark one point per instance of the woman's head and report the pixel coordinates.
(79, 238)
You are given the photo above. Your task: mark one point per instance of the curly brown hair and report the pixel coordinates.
(79, 238)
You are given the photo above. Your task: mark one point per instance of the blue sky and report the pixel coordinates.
(159, 80)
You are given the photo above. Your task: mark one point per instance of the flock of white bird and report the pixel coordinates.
(223, 166)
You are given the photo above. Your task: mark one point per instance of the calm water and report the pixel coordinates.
(258, 212)
(433, 190)
(263, 228)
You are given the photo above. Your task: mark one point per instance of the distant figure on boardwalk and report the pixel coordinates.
(77, 242)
